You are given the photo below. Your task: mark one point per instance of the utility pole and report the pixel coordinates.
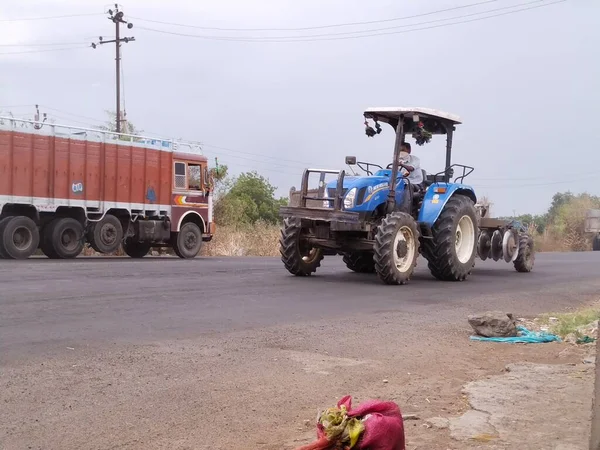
(116, 16)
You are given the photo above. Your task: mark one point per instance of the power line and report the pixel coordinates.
(50, 17)
(305, 39)
(550, 183)
(44, 50)
(44, 44)
(319, 27)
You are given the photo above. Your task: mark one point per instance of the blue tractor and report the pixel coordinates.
(381, 222)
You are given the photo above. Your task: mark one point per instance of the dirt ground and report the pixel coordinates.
(249, 390)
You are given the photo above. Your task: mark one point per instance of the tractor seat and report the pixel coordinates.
(427, 181)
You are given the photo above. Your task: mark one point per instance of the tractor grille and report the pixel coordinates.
(331, 192)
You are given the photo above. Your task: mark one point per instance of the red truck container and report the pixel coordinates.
(62, 187)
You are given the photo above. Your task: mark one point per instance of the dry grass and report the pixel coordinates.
(261, 239)
(571, 323)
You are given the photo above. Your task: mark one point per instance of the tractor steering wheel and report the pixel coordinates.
(389, 166)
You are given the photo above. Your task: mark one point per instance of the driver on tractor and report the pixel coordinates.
(410, 166)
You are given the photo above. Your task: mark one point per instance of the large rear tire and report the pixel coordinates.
(452, 251)
(596, 243)
(360, 262)
(3, 222)
(396, 248)
(65, 238)
(20, 237)
(298, 257)
(526, 259)
(135, 249)
(105, 236)
(188, 241)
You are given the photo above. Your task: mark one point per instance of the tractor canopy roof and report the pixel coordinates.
(435, 121)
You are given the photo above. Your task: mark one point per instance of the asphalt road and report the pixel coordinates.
(95, 301)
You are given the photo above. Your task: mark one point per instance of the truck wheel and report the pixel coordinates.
(66, 238)
(298, 257)
(3, 222)
(360, 262)
(396, 248)
(188, 241)
(46, 240)
(135, 249)
(451, 253)
(596, 243)
(106, 235)
(525, 260)
(20, 237)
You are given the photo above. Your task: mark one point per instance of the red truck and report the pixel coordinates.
(62, 187)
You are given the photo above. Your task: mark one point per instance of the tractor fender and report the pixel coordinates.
(436, 198)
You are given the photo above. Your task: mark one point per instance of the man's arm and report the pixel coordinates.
(414, 164)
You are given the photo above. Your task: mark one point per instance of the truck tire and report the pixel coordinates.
(20, 237)
(105, 236)
(135, 249)
(526, 259)
(46, 240)
(65, 238)
(298, 257)
(451, 253)
(396, 248)
(188, 241)
(360, 262)
(3, 222)
(596, 243)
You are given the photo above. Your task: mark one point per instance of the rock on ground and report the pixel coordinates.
(494, 324)
(532, 406)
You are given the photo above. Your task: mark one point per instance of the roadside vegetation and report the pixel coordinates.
(561, 228)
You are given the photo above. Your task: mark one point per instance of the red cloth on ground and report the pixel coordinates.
(384, 427)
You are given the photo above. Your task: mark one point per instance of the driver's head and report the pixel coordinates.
(405, 147)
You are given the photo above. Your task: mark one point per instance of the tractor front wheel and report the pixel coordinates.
(396, 248)
(451, 253)
(360, 262)
(298, 257)
(526, 258)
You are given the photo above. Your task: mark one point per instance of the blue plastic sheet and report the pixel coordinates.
(525, 337)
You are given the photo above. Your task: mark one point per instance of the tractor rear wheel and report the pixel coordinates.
(360, 262)
(396, 248)
(525, 260)
(451, 253)
(298, 257)
(596, 243)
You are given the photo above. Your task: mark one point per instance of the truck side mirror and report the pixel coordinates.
(351, 160)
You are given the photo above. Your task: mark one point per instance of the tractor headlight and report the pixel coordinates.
(350, 198)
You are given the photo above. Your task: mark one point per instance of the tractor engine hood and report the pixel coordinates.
(357, 182)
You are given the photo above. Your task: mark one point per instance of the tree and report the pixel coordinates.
(126, 126)
(248, 199)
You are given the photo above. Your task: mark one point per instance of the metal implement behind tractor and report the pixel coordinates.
(381, 222)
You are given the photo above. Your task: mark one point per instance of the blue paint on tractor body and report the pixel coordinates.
(371, 192)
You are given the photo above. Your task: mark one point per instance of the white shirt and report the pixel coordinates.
(416, 176)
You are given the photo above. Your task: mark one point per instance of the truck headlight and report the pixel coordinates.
(350, 198)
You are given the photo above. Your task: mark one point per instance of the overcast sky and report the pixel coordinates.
(524, 84)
